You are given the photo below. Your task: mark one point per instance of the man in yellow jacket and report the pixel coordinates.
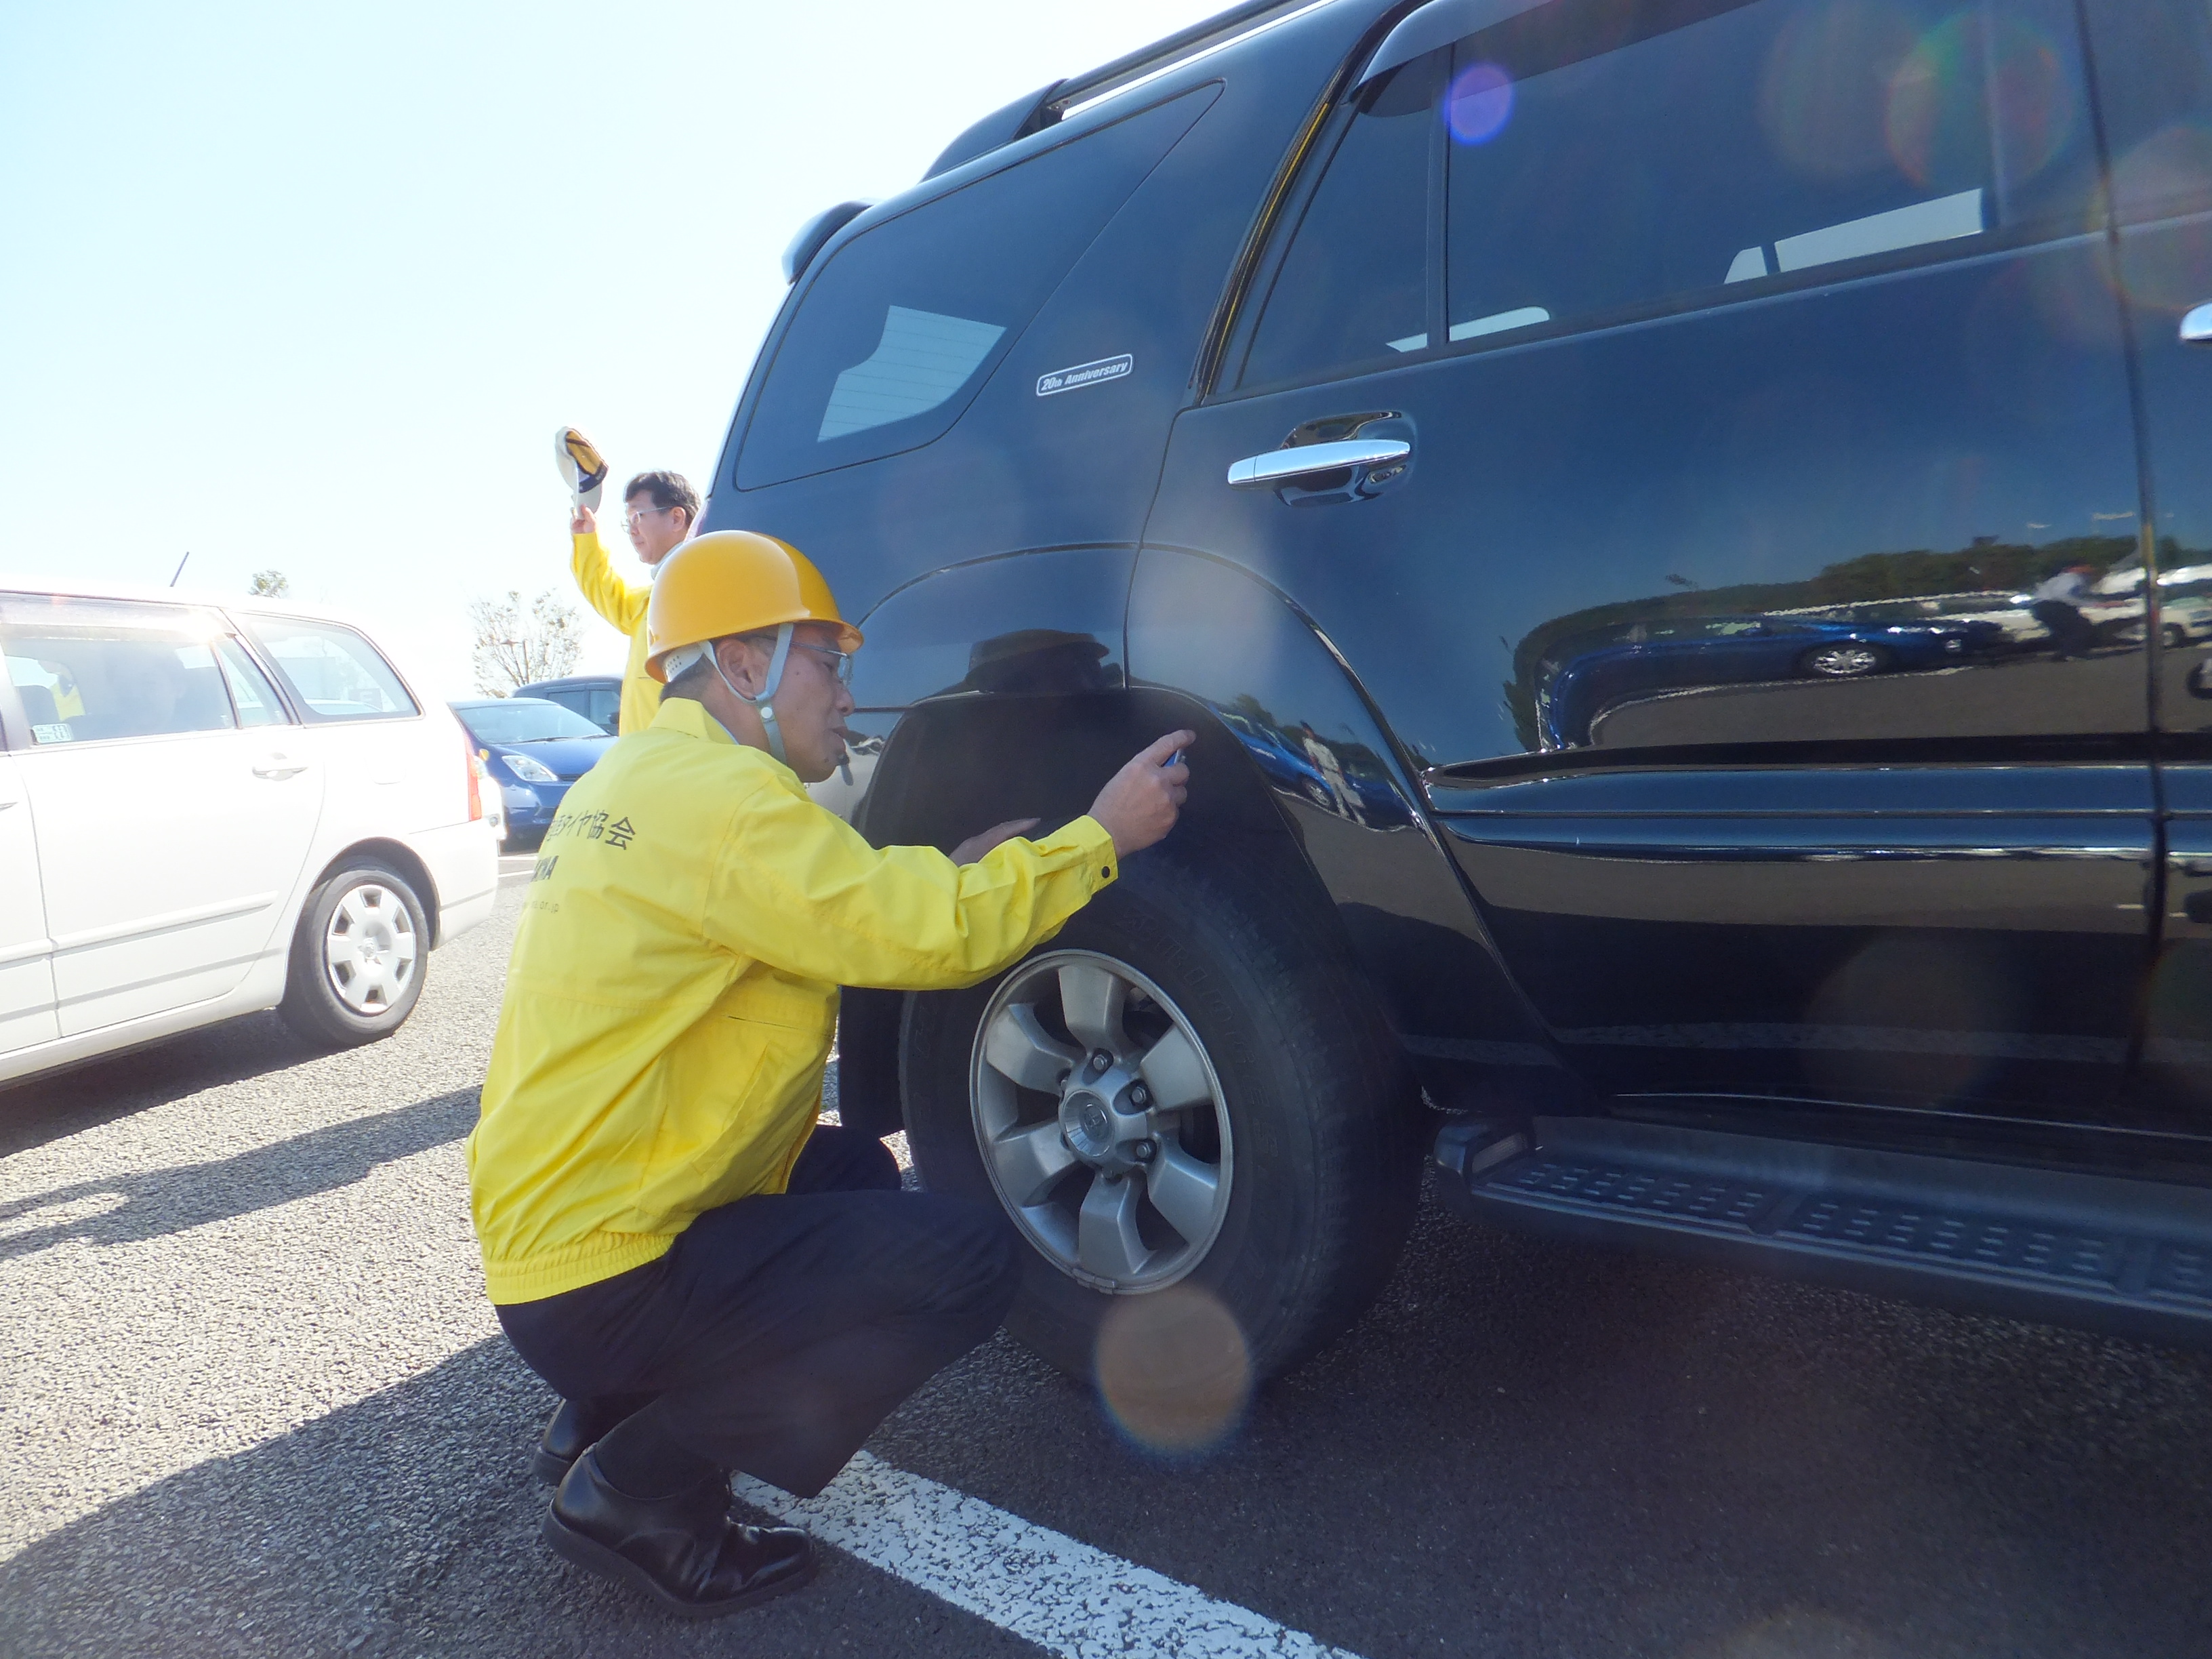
(658, 509)
(711, 1281)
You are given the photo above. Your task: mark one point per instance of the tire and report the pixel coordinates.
(2175, 635)
(333, 996)
(1311, 1122)
(1847, 659)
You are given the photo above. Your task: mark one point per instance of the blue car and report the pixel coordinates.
(534, 749)
(1582, 678)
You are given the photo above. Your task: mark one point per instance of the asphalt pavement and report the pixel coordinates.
(252, 1401)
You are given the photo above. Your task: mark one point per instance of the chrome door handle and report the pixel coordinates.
(2196, 326)
(278, 767)
(1280, 466)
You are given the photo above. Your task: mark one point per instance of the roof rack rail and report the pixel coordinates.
(1044, 107)
(1148, 60)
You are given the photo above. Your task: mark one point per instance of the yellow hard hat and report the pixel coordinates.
(734, 581)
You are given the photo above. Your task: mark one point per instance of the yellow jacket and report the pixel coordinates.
(673, 992)
(623, 606)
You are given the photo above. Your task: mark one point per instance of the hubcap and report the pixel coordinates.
(1101, 1121)
(1847, 660)
(369, 948)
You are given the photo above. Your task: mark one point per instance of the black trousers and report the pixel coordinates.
(779, 1331)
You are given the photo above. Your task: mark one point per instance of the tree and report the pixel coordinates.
(269, 585)
(515, 647)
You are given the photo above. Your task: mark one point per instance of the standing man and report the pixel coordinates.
(711, 1281)
(658, 509)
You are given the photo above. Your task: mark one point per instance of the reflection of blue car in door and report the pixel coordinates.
(1581, 678)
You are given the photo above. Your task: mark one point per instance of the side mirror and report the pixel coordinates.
(583, 469)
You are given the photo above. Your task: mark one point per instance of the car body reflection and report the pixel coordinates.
(1594, 675)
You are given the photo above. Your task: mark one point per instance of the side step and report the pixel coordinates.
(2129, 1257)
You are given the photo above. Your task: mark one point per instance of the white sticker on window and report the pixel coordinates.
(922, 359)
(56, 733)
(1084, 374)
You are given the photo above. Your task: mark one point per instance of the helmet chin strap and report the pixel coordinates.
(763, 704)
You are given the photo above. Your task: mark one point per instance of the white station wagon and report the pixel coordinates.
(209, 808)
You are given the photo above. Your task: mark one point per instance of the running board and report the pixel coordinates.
(2129, 1257)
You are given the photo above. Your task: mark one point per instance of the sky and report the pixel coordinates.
(309, 288)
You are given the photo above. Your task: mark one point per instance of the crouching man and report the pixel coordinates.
(711, 1282)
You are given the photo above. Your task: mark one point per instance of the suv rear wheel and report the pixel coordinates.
(1186, 1087)
(357, 957)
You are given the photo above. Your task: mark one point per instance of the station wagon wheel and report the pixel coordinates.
(358, 956)
(1846, 660)
(370, 948)
(1101, 1121)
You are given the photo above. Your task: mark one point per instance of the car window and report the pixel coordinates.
(2155, 64)
(1354, 287)
(904, 323)
(605, 707)
(334, 673)
(524, 720)
(252, 697)
(1597, 169)
(93, 670)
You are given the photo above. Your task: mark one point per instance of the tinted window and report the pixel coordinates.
(605, 708)
(906, 321)
(333, 673)
(1354, 286)
(2155, 64)
(1594, 175)
(90, 669)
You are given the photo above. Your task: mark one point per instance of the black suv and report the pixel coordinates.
(1683, 526)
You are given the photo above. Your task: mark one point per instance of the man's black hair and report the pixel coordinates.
(667, 489)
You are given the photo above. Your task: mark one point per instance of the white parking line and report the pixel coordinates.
(1042, 1586)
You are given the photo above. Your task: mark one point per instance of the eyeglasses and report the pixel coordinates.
(629, 519)
(840, 662)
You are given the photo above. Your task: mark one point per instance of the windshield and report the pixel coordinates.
(524, 720)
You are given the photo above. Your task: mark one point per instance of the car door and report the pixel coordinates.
(2154, 76)
(26, 979)
(1637, 334)
(390, 770)
(170, 835)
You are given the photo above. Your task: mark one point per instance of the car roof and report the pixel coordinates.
(499, 703)
(194, 597)
(570, 681)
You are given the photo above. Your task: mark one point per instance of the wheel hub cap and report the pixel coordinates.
(1103, 1128)
(1101, 1121)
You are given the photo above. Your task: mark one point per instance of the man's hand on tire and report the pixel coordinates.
(1140, 803)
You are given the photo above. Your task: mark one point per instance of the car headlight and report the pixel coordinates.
(528, 770)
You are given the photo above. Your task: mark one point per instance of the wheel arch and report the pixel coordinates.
(403, 859)
(1077, 658)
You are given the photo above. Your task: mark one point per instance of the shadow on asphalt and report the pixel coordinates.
(47, 1108)
(405, 1525)
(158, 1202)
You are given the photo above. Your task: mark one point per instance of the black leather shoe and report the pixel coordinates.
(684, 1552)
(576, 1426)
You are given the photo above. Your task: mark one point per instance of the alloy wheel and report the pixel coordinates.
(1841, 661)
(369, 948)
(1101, 1121)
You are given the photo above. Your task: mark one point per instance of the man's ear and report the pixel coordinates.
(736, 657)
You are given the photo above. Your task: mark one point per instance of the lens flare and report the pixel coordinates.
(1939, 125)
(1814, 92)
(1480, 103)
(2171, 170)
(1173, 1369)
